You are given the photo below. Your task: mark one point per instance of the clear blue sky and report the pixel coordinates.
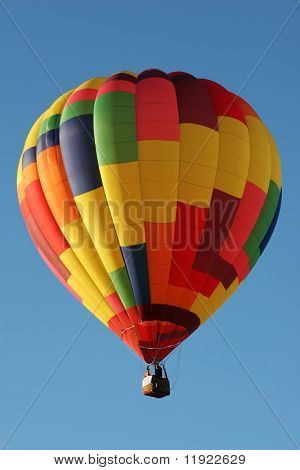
(93, 401)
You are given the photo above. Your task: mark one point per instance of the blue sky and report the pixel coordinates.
(93, 400)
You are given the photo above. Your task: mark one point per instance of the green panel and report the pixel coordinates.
(77, 109)
(251, 244)
(115, 114)
(123, 152)
(273, 193)
(261, 228)
(263, 223)
(122, 284)
(254, 258)
(50, 123)
(115, 98)
(115, 128)
(112, 133)
(268, 211)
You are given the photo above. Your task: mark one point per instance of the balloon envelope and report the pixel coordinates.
(150, 197)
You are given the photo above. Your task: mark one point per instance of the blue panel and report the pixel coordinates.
(135, 258)
(48, 139)
(29, 156)
(77, 144)
(268, 235)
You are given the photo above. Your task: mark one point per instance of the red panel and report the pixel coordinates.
(241, 265)
(124, 319)
(184, 250)
(156, 110)
(194, 102)
(115, 302)
(203, 282)
(246, 108)
(190, 221)
(156, 130)
(221, 213)
(159, 240)
(85, 94)
(41, 242)
(224, 101)
(179, 275)
(245, 219)
(161, 95)
(254, 195)
(57, 274)
(211, 263)
(134, 314)
(44, 218)
(117, 85)
(118, 326)
(122, 76)
(114, 327)
(154, 340)
(191, 216)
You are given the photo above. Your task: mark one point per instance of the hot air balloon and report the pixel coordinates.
(150, 197)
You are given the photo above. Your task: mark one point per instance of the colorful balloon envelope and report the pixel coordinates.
(150, 197)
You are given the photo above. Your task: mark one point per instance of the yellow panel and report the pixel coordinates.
(159, 172)
(81, 291)
(77, 236)
(204, 307)
(234, 164)
(101, 310)
(259, 140)
(79, 240)
(275, 160)
(117, 195)
(159, 210)
(195, 195)
(20, 186)
(221, 299)
(158, 150)
(232, 288)
(215, 296)
(255, 124)
(158, 201)
(73, 265)
(122, 190)
(234, 144)
(129, 235)
(199, 134)
(57, 106)
(259, 176)
(230, 184)
(260, 154)
(19, 172)
(229, 125)
(120, 173)
(197, 174)
(158, 191)
(33, 134)
(162, 171)
(201, 155)
(161, 196)
(96, 217)
(92, 83)
(198, 304)
(104, 312)
(128, 72)
(30, 174)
